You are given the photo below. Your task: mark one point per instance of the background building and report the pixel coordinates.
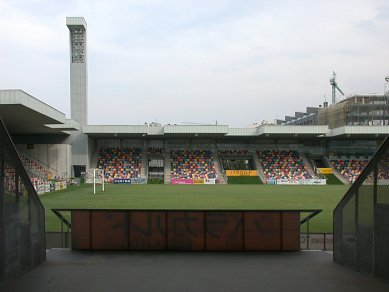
(362, 110)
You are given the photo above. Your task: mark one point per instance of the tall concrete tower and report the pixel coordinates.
(78, 69)
(78, 92)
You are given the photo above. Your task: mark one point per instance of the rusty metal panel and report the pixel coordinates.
(185, 230)
(109, 230)
(290, 231)
(80, 230)
(224, 230)
(262, 231)
(147, 230)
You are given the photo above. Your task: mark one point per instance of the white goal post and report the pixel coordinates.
(95, 176)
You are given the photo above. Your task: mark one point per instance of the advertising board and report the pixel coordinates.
(182, 181)
(139, 181)
(210, 181)
(285, 181)
(198, 181)
(122, 181)
(241, 173)
(325, 170)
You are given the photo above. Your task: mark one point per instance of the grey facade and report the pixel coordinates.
(78, 69)
(78, 87)
(308, 118)
(357, 110)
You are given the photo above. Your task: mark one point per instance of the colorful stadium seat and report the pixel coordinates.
(283, 164)
(192, 164)
(120, 162)
(350, 169)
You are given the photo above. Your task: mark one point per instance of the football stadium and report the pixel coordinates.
(296, 169)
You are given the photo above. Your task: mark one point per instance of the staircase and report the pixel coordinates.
(258, 167)
(36, 168)
(307, 164)
(337, 174)
(145, 164)
(167, 166)
(218, 167)
(94, 159)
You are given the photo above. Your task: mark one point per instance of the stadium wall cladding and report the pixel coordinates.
(267, 230)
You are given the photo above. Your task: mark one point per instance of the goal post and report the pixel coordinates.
(95, 176)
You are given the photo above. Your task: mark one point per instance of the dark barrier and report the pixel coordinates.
(361, 219)
(192, 230)
(313, 241)
(22, 225)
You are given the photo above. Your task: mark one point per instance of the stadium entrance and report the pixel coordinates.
(79, 170)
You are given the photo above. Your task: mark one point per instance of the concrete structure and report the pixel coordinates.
(38, 130)
(68, 270)
(356, 110)
(31, 121)
(308, 118)
(78, 69)
(362, 110)
(78, 89)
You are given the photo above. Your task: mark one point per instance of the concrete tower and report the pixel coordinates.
(78, 92)
(78, 69)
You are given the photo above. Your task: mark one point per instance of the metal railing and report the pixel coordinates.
(306, 220)
(361, 229)
(316, 241)
(31, 158)
(22, 216)
(65, 242)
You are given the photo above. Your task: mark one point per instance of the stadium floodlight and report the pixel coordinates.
(78, 69)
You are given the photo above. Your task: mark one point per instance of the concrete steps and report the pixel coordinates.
(95, 159)
(167, 166)
(337, 174)
(36, 168)
(258, 166)
(145, 164)
(308, 164)
(218, 167)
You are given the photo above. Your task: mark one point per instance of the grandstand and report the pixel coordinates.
(43, 177)
(119, 163)
(195, 164)
(350, 169)
(285, 165)
(169, 152)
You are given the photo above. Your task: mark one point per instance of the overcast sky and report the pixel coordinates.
(234, 62)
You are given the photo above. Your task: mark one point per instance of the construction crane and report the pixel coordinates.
(334, 87)
(386, 83)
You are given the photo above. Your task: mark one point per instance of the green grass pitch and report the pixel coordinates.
(199, 197)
